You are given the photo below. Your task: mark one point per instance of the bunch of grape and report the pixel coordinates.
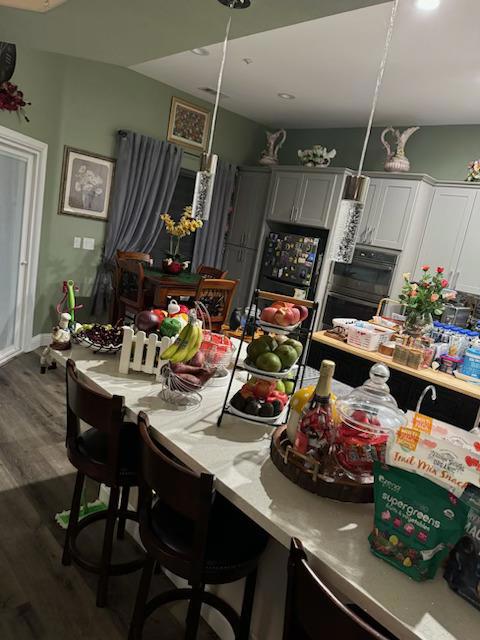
(101, 336)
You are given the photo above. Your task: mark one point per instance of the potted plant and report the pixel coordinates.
(173, 261)
(424, 299)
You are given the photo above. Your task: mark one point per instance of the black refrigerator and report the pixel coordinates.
(291, 262)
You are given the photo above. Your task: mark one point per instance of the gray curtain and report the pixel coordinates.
(146, 174)
(210, 240)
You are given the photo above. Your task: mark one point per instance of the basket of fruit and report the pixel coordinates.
(282, 317)
(272, 356)
(188, 367)
(101, 338)
(262, 400)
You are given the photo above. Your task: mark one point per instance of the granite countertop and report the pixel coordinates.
(334, 534)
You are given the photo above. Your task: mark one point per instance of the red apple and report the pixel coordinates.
(268, 314)
(263, 388)
(303, 312)
(287, 317)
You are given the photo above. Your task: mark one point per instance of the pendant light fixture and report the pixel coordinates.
(356, 187)
(205, 180)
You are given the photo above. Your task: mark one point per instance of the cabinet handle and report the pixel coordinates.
(372, 229)
(244, 238)
(362, 237)
(292, 213)
(449, 277)
(457, 274)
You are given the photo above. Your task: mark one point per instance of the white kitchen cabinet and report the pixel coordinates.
(388, 211)
(445, 231)
(315, 199)
(240, 264)
(249, 207)
(467, 272)
(284, 195)
(304, 197)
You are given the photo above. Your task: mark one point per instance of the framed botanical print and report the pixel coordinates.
(189, 125)
(86, 184)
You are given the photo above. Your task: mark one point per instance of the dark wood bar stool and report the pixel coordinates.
(197, 535)
(107, 453)
(313, 612)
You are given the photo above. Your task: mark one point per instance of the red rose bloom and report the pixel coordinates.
(440, 269)
(444, 283)
(425, 267)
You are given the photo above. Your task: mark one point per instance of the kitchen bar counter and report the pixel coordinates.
(429, 375)
(334, 534)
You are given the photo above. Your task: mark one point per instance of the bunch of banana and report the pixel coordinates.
(187, 343)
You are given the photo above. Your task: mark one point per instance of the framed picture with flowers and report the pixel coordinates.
(86, 184)
(189, 125)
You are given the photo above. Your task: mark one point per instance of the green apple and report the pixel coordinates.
(280, 386)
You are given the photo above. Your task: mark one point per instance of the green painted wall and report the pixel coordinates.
(440, 151)
(82, 104)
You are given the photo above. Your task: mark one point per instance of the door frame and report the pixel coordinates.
(34, 152)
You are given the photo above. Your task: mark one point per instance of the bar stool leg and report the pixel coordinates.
(247, 606)
(136, 626)
(107, 547)
(193, 615)
(123, 507)
(73, 519)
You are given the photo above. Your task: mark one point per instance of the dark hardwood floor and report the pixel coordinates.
(39, 598)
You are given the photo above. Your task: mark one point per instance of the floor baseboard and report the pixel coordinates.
(40, 340)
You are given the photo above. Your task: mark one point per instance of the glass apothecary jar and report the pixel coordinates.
(364, 419)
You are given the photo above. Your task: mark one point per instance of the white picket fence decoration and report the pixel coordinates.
(142, 360)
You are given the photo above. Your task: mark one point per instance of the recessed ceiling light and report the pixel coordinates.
(247, 60)
(428, 5)
(236, 4)
(286, 96)
(200, 51)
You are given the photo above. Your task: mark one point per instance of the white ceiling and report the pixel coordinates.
(330, 65)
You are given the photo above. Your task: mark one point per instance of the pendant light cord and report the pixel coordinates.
(378, 85)
(219, 87)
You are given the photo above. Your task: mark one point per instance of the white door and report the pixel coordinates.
(467, 274)
(22, 176)
(447, 223)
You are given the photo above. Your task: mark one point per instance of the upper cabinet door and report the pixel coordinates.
(248, 209)
(315, 199)
(284, 195)
(371, 205)
(467, 273)
(388, 223)
(446, 227)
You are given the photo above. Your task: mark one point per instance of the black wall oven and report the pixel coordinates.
(355, 289)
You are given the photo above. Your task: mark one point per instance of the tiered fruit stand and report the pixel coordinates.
(302, 332)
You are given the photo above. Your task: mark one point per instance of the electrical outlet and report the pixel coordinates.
(77, 242)
(89, 244)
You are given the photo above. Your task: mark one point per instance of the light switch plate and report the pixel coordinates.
(77, 242)
(89, 244)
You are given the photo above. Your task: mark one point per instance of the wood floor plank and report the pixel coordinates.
(39, 598)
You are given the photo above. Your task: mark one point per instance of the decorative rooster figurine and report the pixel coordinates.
(396, 160)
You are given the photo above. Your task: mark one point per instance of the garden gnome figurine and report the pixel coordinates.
(275, 142)
(396, 160)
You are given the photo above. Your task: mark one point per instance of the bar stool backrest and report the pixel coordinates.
(98, 410)
(313, 612)
(185, 492)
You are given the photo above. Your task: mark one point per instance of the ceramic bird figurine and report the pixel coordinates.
(396, 160)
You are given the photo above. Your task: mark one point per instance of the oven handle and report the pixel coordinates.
(340, 296)
(379, 266)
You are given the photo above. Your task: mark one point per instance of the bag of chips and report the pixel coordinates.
(417, 522)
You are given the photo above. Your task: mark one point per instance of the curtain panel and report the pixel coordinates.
(146, 174)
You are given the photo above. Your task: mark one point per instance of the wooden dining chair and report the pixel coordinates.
(211, 272)
(130, 288)
(134, 255)
(313, 612)
(217, 295)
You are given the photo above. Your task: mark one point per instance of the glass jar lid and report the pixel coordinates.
(371, 408)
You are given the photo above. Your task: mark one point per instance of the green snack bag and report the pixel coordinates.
(417, 522)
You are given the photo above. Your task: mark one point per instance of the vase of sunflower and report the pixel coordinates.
(173, 262)
(424, 299)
